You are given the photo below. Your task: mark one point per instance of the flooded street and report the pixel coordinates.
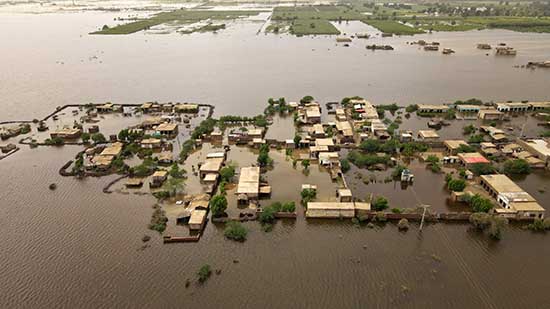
(77, 247)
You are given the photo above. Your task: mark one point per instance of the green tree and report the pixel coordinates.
(308, 195)
(482, 169)
(476, 139)
(176, 172)
(227, 173)
(469, 129)
(98, 138)
(218, 205)
(174, 186)
(480, 204)
(235, 230)
(456, 185)
(268, 214)
(297, 140)
(307, 99)
(344, 165)
(370, 145)
(85, 137)
(305, 163)
(380, 203)
(516, 167)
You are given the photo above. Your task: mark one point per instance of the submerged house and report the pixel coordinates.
(471, 158)
(211, 166)
(511, 197)
(336, 210)
(452, 146)
(249, 184)
(67, 133)
(167, 129)
(428, 136)
(432, 108)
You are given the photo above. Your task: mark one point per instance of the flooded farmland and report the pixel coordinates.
(78, 247)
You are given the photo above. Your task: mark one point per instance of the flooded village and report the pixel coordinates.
(348, 160)
(274, 154)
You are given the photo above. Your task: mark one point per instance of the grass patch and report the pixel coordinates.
(313, 27)
(179, 16)
(391, 26)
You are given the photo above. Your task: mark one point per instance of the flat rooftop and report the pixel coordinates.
(501, 183)
(249, 180)
(455, 143)
(472, 158)
(212, 165)
(428, 134)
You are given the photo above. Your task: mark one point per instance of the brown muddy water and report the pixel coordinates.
(237, 70)
(76, 247)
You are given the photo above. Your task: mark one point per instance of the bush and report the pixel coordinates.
(411, 108)
(288, 207)
(496, 226)
(218, 205)
(403, 224)
(147, 167)
(158, 220)
(308, 195)
(57, 141)
(85, 137)
(480, 220)
(365, 160)
(98, 138)
(469, 129)
(236, 231)
(263, 156)
(456, 185)
(268, 214)
(480, 204)
(380, 203)
(379, 217)
(476, 139)
(227, 173)
(516, 167)
(370, 145)
(204, 273)
(465, 148)
(344, 165)
(482, 169)
(307, 99)
(297, 140)
(540, 225)
(176, 172)
(305, 163)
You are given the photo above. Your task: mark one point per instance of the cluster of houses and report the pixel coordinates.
(254, 136)
(151, 107)
(496, 111)
(535, 151)
(513, 201)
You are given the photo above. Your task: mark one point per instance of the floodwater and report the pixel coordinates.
(77, 247)
(237, 70)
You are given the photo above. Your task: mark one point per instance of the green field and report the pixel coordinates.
(178, 16)
(393, 27)
(312, 27)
